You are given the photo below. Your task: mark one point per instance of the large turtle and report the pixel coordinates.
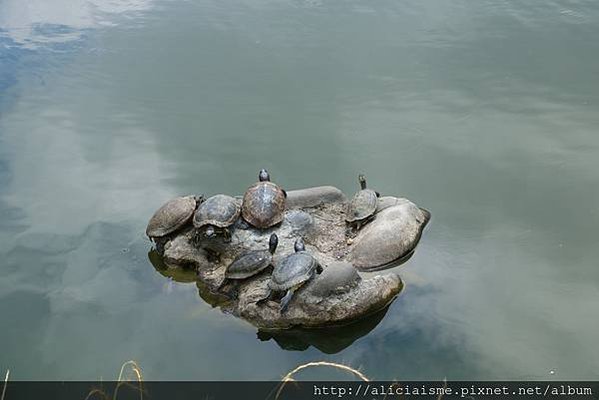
(292, 272)
(264, 203)
(362, 206)
(252, 262)
(216, 215)
(171, 217)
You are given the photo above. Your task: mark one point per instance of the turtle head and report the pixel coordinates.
(263, 176)
(209, 232)
(199, 198)
(299, 245)
(362, 180)
(272, 243)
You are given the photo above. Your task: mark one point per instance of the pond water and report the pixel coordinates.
(485, 113)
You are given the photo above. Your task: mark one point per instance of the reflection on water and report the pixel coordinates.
(327, 340)
(34, 23)
(484, 112)
(176, 274)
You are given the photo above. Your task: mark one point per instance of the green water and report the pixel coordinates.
(484, 112)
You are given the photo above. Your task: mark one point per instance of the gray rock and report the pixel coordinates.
(313, 197)
(389, 201)
(337, 278)
(393, 235)
(337, 296)
(299, 221)
(310, 310)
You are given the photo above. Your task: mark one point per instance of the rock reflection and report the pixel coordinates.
(176, 274)
(328, 340)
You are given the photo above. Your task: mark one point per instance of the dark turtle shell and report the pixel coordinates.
(292, 271)
(220, 211)
(362, 205)
(248, 264)
(171, 216)
(264, 204)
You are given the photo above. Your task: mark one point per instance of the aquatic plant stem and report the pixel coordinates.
(289, 376)
(121, 381)
(5, 383)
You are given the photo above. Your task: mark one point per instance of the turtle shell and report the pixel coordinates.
(362, 205)
(248, 264)
(264, 204)
(293, 270)
(171, 216)
(220, 211)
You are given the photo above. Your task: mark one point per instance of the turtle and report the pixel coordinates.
(362, 206)
(263, 203)
(216, 214)
(172, 216)
(291, 273)
(251, 262)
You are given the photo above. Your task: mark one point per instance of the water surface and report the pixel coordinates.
(483, 112)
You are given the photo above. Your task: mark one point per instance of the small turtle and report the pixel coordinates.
(362, 206)
(252, 262)
(292, 272)
(216, 214)
(171, 217)
(264, 203)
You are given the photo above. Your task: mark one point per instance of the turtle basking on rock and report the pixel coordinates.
(291, 273)
(251, 262)
(216, 215)
(264, 203)
(362, 206)
(171, 217)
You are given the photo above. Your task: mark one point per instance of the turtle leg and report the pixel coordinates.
(197, 237)
(319, 269)
(229, 287)
(286, 299)
(348, 229)
(222, 284)
(242, 224)
(265, 299)
(159, 244)
(227, 235)
(353, 228)
(284, 192)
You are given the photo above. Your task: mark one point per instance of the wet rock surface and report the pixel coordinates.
(337, 296)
